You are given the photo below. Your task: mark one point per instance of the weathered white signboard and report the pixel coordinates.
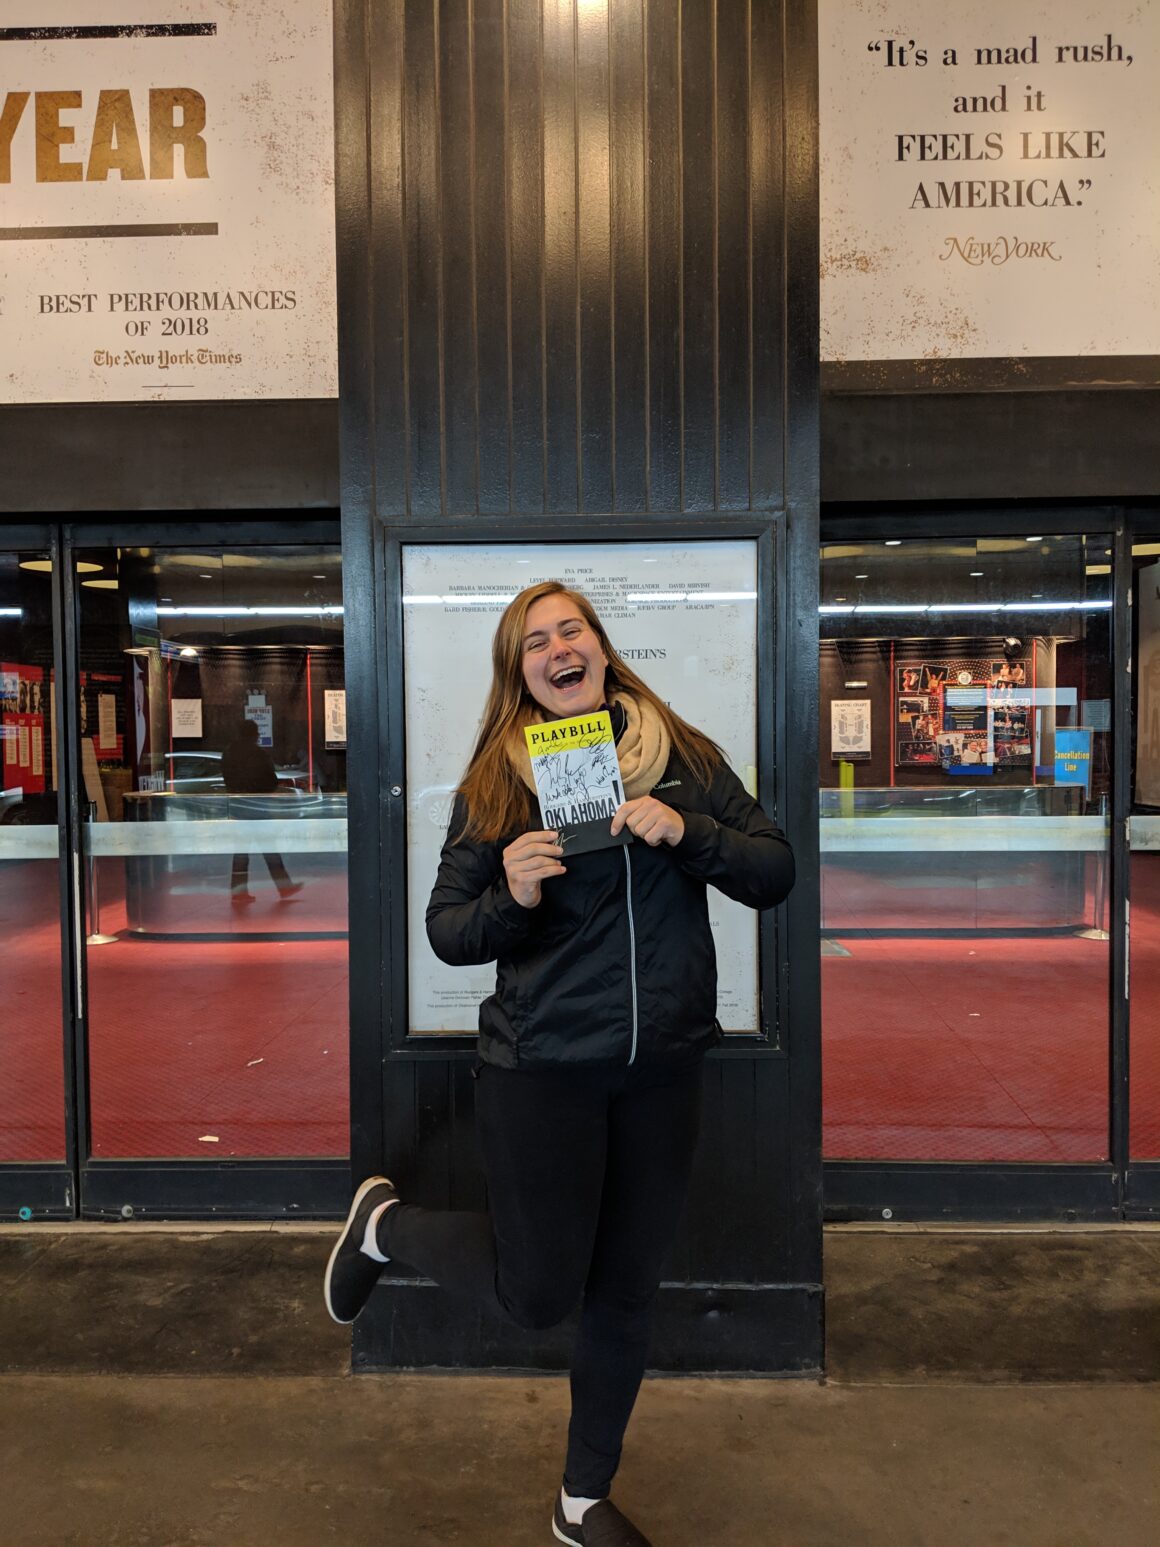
(989, 180)
(684, 615)
(166, 201)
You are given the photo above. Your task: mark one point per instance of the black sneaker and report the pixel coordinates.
(350, 1273)
(603, 1526)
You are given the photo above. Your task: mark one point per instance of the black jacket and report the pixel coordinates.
(586, 979)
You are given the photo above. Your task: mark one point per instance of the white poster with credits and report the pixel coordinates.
(684, 615)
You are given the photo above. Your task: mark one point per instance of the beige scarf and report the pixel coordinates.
(643, 748)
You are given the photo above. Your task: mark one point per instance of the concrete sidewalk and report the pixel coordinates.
(178, 1388)
(411, 1461)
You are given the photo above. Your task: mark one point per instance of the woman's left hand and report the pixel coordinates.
(650, 820)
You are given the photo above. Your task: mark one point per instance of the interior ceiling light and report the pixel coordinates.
(1035, 605)
(976, 574)
(101, 585)
(861, 577)
(11, 612)
(894, 542)
(965, 607)
(1145, 550)
(187, 651)
(44, 566)
(1033, 539)
(252, 612)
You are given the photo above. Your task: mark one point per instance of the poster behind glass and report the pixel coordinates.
(683, 615)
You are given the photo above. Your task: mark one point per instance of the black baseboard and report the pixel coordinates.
(1143, 1190)
(45, 1191)
(865, 1190)
(192, 1189)
(699, 1329)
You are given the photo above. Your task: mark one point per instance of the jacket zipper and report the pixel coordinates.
(631, 954)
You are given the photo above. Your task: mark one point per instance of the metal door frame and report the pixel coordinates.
(975, 1190)
(82, 1186)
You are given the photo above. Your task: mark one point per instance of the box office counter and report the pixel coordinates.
(178, 851)
(962, 859)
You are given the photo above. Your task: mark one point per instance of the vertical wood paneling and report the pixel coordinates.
(561, 277)
(594, 247)
(767, 149)
(593, 308)
(698, 235)
(629, 258)
(457, 231)
(526, 258)
(490, 133)
(663, 213)
(424, 352)
(733, 407)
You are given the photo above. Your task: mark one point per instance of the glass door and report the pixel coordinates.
(208, 753)
(966, 773)
(36, 1176)
(1144, 880)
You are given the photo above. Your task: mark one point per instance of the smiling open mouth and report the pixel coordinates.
(568, 678)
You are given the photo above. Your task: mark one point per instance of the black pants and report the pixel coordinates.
(240, 874)
(587, 1172)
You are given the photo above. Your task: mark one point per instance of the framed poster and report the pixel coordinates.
(849, 730)
(693, 639)
(334, 712)
(166, 201)
(186, 721)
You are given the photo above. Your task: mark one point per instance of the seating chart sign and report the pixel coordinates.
(683, 615)
(166, 201)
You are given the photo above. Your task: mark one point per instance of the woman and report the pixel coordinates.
(589, 1077)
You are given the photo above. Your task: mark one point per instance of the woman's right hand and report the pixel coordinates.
(530, 861)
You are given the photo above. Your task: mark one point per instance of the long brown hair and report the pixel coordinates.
(496, 799)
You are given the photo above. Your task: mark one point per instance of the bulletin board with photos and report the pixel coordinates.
(963, 713)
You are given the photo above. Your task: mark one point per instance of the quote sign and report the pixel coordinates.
(989, 179)
(166, 201)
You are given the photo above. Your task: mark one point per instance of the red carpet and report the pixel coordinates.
(977, 1049)
(934, 1049)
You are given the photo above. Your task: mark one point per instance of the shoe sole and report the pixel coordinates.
(560, 1537)
(371, 1181)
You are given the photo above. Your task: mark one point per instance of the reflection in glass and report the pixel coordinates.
(31, 1030)
(964, 839)
(1144, 881)
(214, 775)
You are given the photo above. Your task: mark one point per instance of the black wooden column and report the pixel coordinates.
(578, 298)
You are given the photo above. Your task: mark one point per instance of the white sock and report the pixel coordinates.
(574, 1509)
(370, 1245)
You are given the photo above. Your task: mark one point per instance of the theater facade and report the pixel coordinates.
(325, 329)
